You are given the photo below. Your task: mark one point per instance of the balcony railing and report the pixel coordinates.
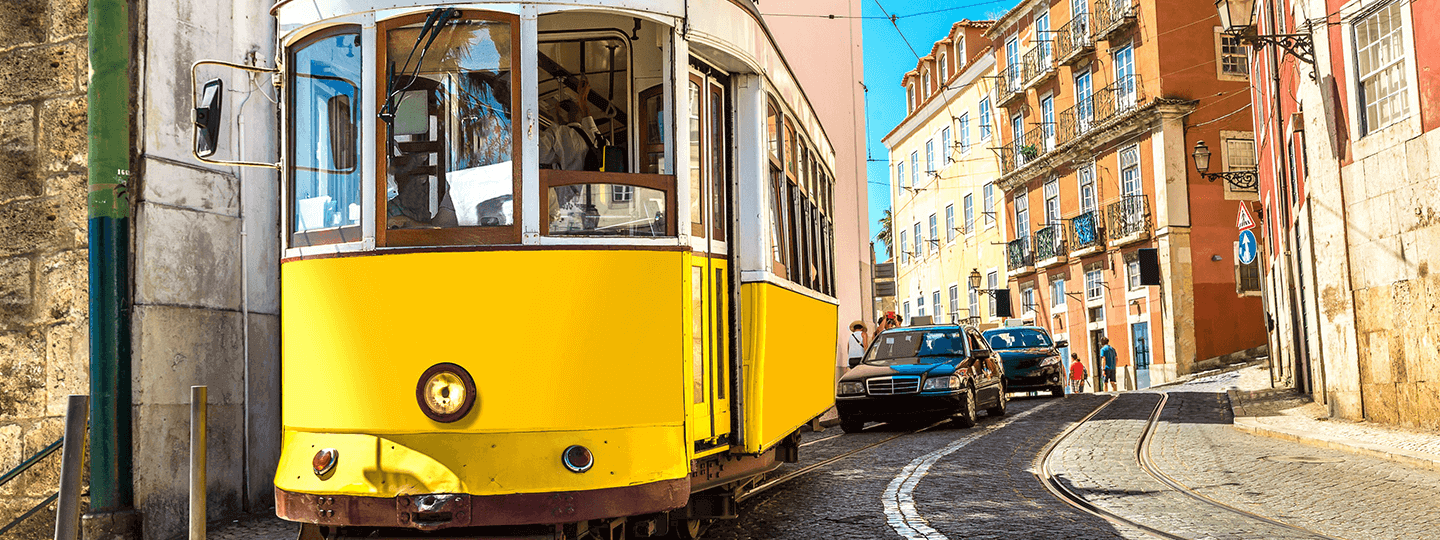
(1074, 38)
(1113, 15)
(1086, 231)
(1129, 218)
(1105, 105)
(1011, 84)
(1049, 243)
(1038, 63)
(1018, 255)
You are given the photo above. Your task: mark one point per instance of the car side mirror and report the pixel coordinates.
(1062, 344)
(207, 118)
(981, 354)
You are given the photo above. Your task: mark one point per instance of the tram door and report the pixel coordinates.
(711, 294)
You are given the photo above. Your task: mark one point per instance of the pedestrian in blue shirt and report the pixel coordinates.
(1108, 354)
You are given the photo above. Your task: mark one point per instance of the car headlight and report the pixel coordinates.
(851, 388)
(1051, 361)
(445, 392)
(942, 383)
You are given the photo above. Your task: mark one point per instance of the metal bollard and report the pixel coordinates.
(72, 466)
(198, 413)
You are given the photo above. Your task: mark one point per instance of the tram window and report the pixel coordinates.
(697, 201)
(598, 68)
(450, 152)
(652, 138)
(772, 130)
(607, 210)
(777, 222)
(325, 204)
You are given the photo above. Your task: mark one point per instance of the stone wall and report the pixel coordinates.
(43, 264)
(1394, 227)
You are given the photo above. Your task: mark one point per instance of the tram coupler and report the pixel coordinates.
(650, 526)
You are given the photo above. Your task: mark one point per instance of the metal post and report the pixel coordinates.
(72, 465)
(197, 462)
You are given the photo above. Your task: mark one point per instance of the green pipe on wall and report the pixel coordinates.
(110, 148)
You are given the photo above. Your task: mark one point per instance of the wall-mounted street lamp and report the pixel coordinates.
(1237, 17)
(1238, 180)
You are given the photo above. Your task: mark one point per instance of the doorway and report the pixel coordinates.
(711, 279)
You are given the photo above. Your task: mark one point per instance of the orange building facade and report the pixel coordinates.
(1098, 105)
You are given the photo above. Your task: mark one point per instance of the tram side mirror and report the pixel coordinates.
(207, 118)
(342, 132)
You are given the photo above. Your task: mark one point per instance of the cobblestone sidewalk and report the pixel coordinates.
(1279, 413)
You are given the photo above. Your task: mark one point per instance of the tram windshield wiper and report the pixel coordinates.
(434, 23)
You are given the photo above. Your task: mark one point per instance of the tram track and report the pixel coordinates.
(1142, 456)
(791, 475)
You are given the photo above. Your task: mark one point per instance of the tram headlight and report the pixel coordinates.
(851, 388)
(942, 383)
(446, 392)
(577, 458)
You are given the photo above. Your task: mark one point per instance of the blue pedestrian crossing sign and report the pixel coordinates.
(1248, 246)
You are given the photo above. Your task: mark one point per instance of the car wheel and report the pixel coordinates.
(851, 426)
(1057, 391)
(967, 413)
(999, 408)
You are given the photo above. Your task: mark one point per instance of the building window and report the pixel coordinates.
(919, 240)
(1240, 154)
(907, 310)
(927, 83)
(989, 205)
(992, 282)
(955, 301)
(1094, 284)
(920, 305)
(965, 133)
(1027, 300)
(934, 234)
(904, 249)
(945, 145)
(1022, 214)
(969, 213)
(1052, 202)
(935, 305)
(930, 156)
(944, 68)
(1057, 292)
(1247, 276)
(915, 168)
(910, 98)
(985, 119)
(960, 52)
(622, 194)
(950, 223)
(1130, 171)
(1086, 175)
(1234, 57)
(1380, 63)
(900, 173)
(1132, 272)
(974, 301)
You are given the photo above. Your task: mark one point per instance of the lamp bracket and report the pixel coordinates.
(1238, 180)
(1300, 46)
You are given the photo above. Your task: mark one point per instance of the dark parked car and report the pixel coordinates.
(1032, 360)
(929, 371)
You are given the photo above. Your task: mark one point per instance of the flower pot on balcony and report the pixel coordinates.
(1029, 151)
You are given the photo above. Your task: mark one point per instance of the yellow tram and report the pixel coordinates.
(484, 336)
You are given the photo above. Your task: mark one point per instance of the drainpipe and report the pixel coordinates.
(110, 147)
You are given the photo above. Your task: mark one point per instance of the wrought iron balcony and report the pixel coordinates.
(1018, 256)
(1086, 232)
(1039, 63)
(1129, 219)
(1107, 104)
(1049, 244)
(1011, 85)
(1112, 16)
(1074, 39)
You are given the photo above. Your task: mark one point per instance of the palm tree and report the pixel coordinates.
(884, 235)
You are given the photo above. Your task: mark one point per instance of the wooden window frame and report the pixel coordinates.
(454, 235)
(553, 178)
(337, 235)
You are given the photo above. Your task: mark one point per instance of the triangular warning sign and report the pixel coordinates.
(1243, 220)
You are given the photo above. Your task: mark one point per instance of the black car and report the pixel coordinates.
(929, 371)
(1032, 360)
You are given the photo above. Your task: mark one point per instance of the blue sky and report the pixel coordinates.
(887, 59)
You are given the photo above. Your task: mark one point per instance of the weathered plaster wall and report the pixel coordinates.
(43, 279)
(206, 279)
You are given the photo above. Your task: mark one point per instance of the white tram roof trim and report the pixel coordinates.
(732, 27)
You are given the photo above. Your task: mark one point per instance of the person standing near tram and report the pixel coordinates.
(859, 341)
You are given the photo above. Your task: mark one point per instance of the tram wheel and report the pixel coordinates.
(690, 529)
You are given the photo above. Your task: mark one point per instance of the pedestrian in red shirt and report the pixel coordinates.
(1077, 374)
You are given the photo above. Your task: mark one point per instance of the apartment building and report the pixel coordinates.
(1345, 115)
(1099, 104)
(947, 218)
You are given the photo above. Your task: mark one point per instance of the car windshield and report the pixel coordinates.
(1017, 338)
(915, 347)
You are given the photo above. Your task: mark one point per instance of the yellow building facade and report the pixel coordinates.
(947, 213)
